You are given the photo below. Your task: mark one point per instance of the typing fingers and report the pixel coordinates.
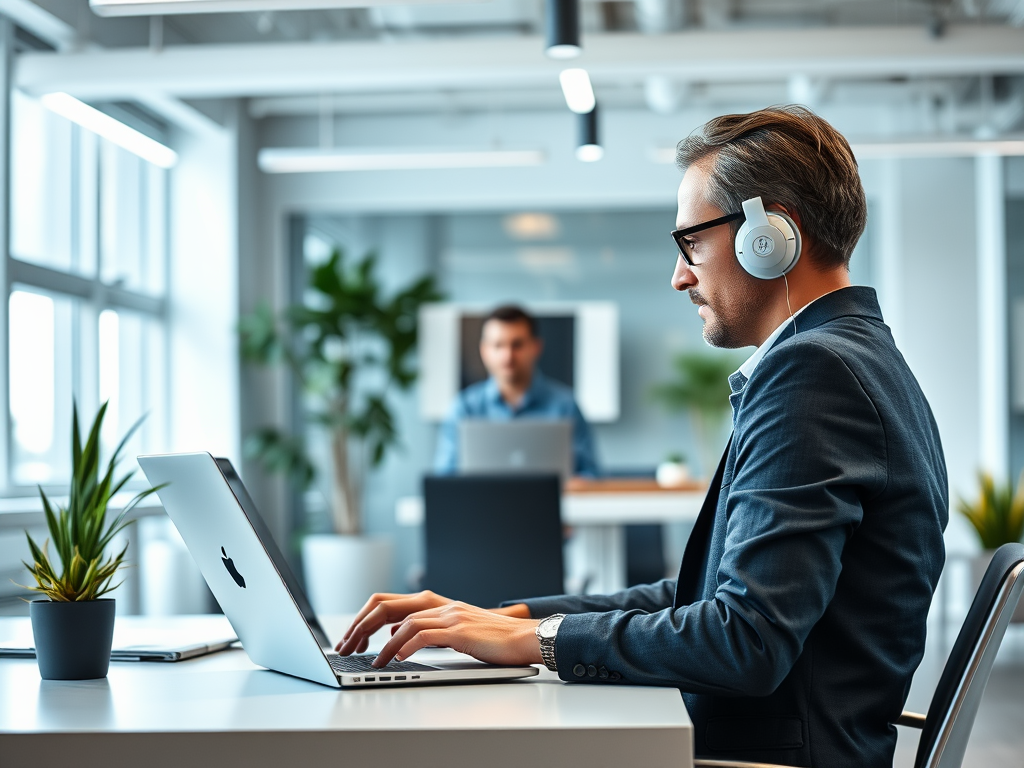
(396, 608)
(359, 633)
(375, 600)
(413, 634)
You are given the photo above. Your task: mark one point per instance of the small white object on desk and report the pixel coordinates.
(672, 474)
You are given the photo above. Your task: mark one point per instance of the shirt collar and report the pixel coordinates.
(532, 393)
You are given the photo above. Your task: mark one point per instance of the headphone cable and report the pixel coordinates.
(788, 305)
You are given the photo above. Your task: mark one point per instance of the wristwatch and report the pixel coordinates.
(546, 631)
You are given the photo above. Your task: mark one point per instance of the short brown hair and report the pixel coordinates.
(510, 313)
(790, 157)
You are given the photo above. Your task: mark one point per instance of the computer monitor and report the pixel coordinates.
(581, 350)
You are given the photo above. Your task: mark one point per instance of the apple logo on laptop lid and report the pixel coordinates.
(231, 569)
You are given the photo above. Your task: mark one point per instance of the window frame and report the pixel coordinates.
(93, 294)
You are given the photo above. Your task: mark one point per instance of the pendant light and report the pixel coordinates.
(588, 148)
(563, 29)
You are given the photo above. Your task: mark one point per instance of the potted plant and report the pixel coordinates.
(701, 388)
(998, 517)
(74, 626)
(348, 346)
(673, 472)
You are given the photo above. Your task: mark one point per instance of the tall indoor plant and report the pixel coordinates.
(348, 345)
(700, 388)
(74, 626)
(997, 515)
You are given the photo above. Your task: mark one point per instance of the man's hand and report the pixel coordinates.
(485, 635)
(381, 609)
(499, 636)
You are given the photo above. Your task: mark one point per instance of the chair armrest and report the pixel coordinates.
(911, 720)
(734, 764)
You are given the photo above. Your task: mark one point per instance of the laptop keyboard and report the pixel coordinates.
(362, 663)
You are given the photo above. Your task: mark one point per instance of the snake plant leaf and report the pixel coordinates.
(81, 532)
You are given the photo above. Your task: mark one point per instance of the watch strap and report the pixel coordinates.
(547, 639)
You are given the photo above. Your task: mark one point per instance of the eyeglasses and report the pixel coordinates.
(679, 234)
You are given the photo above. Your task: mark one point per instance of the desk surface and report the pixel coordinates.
(575, 486)
(222, 709)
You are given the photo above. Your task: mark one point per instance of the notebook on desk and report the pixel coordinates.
(139, 638)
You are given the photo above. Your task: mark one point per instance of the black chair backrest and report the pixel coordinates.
(493, 537)
(955, 703)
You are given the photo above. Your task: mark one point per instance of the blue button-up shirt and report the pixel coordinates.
(545, 399)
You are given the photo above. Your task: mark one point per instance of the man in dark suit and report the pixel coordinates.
(799, 614)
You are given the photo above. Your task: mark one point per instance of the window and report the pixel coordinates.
(86, 280)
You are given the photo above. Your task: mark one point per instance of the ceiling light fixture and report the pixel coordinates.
(110, 129)
(171, 7)
(578, 92)
(588, 148)
(563, 28)
(301, 160)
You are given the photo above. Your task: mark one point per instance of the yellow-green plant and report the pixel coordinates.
(998, 513)
(79, 531)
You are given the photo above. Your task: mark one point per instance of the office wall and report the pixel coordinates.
(923, 265)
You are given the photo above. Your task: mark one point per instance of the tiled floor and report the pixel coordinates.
(997, 740)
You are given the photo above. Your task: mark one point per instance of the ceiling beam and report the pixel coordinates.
(55, 31)
(362, 67)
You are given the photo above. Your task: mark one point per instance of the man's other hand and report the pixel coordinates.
(499, 636)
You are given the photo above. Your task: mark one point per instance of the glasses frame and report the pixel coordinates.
(679, 234)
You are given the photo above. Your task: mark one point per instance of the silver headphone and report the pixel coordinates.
(768, 244)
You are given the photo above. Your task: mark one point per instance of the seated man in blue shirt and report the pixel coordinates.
(510, 348)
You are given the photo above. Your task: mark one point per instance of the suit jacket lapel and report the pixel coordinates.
(691, 570)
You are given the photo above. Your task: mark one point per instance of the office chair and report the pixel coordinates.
(645, 554)
(492, 538)
(947, 727)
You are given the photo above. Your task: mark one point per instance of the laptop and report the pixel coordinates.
(258, 592)
(525, 445)
(139, 638)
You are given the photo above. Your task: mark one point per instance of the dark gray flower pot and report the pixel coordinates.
(72, 639)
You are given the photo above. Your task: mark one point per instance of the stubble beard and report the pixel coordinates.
(730, 315)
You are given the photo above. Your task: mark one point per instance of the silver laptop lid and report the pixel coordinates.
(239, 560)
(523, 445)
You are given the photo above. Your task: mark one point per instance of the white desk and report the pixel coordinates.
(598, 510)
(222, 710)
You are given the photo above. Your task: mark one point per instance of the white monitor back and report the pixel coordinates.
(595, 354)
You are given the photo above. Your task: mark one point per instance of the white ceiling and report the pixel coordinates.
(961, 59)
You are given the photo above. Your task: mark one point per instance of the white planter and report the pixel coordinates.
(978, 566)
(672, 474)
(343, 571)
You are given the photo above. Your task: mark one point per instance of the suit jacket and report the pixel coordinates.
(798, 617)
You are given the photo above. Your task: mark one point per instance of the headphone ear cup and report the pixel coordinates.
(769, 252)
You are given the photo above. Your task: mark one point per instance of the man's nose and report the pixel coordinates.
(683, 277)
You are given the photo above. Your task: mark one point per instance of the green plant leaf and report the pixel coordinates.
(80, 532)
(997, 514)
(348, 346)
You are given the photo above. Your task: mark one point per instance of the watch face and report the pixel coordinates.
(548, 628)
